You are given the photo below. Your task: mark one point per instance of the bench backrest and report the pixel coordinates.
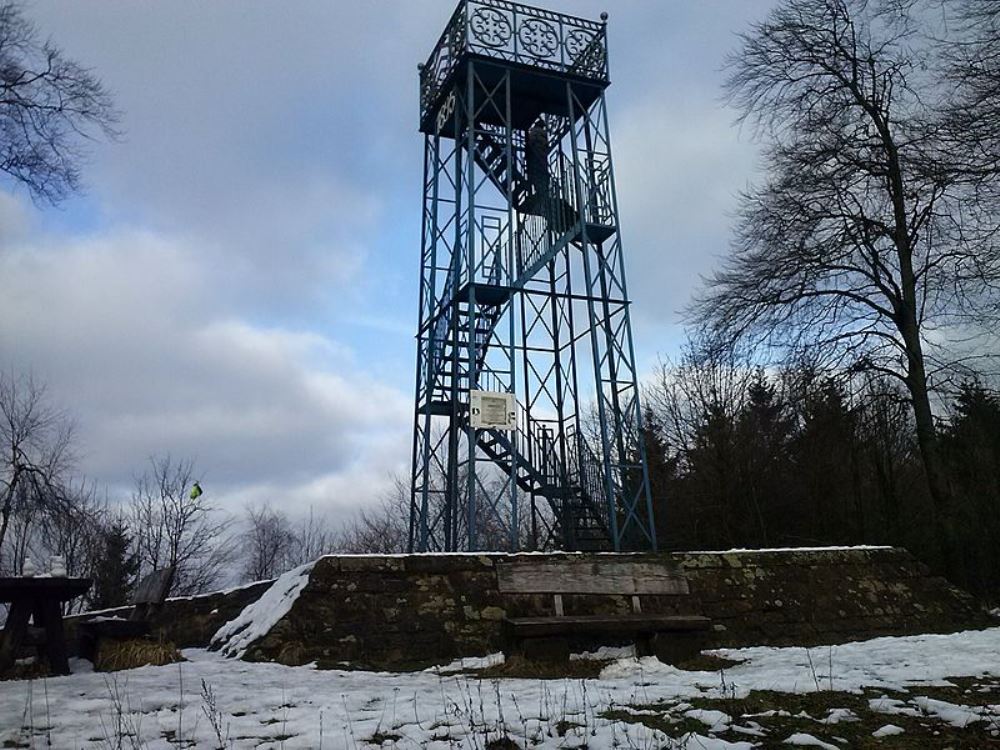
(153, 588)
(622, 577)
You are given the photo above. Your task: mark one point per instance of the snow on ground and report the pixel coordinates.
(213, 701)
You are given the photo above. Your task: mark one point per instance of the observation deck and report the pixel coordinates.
(542, 50)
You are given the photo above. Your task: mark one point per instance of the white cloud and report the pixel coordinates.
(129, 333)
(680, 170)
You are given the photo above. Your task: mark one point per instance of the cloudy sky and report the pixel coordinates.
(238, 282)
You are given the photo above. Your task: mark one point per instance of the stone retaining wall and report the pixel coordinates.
(412, 611)
(814, 597)
(406, 612)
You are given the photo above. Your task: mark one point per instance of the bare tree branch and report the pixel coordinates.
(49, 106)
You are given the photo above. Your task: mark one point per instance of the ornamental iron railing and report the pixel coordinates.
(514, 33)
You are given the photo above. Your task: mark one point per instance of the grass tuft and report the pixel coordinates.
(518, 666)
(113, 654)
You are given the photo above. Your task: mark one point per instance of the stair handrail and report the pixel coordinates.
(443, 322)
(587, 472)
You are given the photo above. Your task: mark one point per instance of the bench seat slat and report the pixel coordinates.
(641, 623)
(626, 578)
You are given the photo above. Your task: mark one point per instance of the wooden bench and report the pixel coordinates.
(670, 636)
(145, 601)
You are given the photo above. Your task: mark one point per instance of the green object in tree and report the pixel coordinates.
(196, 491)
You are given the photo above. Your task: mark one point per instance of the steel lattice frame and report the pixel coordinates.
(523, 291)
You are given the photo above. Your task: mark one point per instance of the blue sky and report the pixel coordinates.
(238, 282)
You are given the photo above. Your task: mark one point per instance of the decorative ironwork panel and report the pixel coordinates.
(538, 38)
(490, 27)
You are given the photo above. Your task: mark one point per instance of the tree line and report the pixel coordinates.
(743, 457)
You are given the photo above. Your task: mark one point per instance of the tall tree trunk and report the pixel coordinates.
(930, 453)
(927, 435)
(908, 323)
(4, 521)
(7, 509)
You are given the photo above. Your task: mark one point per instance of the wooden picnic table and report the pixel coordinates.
(42, 598)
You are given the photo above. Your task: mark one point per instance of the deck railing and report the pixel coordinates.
(515, 33)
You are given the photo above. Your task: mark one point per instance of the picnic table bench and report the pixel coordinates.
(669, 636)
(39, 598)
(148, 597)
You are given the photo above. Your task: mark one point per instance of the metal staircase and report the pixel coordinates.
(579, 517)
(491, 157)
(486, 319)
(547, 223)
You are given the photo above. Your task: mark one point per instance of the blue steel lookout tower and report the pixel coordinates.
(528, 427)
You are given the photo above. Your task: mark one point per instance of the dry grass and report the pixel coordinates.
(113, 654)
(518, 666)
(707, 663)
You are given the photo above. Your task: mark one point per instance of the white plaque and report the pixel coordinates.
(491, 410)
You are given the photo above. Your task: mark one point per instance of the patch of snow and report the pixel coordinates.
(887, 731)
(886, 705)
(631, 711)
(890, 662)
(470, 663)
(79, 665)
(257, 618)
(802, 739)
(752, 728)
(956, 715)
(716, 721)
(837, 715)
(699, 742)
(605, 653)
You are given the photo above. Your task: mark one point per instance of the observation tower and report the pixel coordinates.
(528, 427)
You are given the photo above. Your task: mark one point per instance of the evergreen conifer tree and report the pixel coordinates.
(114, 575)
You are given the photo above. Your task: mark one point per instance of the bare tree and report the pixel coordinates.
(75, 532)
(312, 539)
(49, 104)
(973, 54)
(856, 248)
(172, 528)
(35, 454)
(269, 543)
(704, 380)
(383, 529)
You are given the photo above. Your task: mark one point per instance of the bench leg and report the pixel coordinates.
(55, 638)
(13, 632)
(676, 647)
(551, 649)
